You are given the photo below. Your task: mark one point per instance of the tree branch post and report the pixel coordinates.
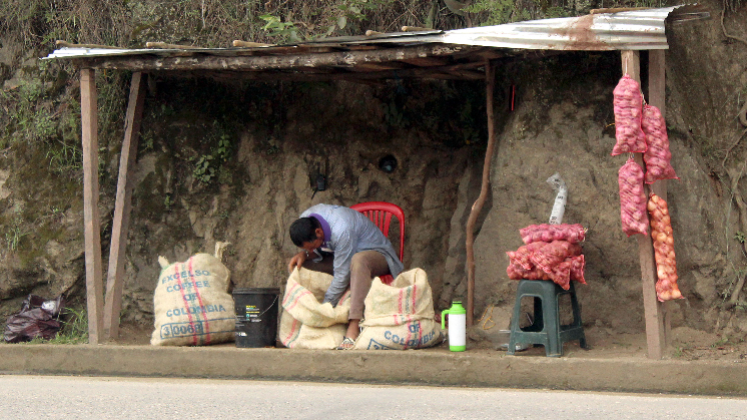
(477, 206)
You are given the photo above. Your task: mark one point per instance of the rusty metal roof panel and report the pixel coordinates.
(631, 30)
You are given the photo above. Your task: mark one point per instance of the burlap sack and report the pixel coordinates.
(400, 316)
(191, 303)
(306, 323)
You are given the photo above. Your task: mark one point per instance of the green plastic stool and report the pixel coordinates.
(546, 329)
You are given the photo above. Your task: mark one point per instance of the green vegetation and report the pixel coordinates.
(13, 236)
(720, 342)
(74, 329)
(208, 166)
(678, 352)
(499, 11)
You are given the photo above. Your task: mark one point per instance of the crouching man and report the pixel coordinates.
(344, 243)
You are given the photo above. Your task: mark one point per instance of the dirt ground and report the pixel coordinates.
(687, 344)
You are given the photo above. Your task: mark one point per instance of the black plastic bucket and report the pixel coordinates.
(256, 316)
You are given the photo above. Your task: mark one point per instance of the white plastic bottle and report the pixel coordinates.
(457, 326)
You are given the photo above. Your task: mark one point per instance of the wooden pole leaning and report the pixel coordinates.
(477, 206)
(92, 224)
(122, 207)
(653, 310)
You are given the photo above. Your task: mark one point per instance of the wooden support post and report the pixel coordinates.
(657, 97)
(655, 329)
(122, 207)
(92, 224)
(477, 206)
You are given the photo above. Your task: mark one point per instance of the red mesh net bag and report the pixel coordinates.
(557, 261)
(666, 265)
(657, 156)
(517, 272)
(548, 233)
(523, 256)
(628, 106)
(578, 263)
(632, 199)
(553, 254)
(560, 274)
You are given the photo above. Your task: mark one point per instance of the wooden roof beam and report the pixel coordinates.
(280, 62)
(249, 44)
(298, 76)
(393, 65)
(427, 62)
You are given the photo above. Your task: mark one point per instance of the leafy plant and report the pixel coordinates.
(499, 11)
(207, 166)
(354, 11)
(204, 169)
(287, 31)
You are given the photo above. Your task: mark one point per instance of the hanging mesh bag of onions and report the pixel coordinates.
(632, 199)
(666, 265)
(628, 106)
(657, 155)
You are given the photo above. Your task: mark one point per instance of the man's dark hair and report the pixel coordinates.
(302, 230)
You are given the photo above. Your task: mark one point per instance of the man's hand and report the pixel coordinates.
(297, 261)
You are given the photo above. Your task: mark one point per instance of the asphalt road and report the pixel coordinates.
(36, 397)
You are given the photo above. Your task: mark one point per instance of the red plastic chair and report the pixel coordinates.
(381, 212)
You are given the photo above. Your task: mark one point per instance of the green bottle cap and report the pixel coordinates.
(456, 309)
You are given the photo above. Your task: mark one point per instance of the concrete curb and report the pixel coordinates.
(493, 369)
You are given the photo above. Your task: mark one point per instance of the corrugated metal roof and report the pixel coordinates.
(632, 30)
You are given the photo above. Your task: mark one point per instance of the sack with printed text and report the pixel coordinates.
(400, 316)
(191, 303)
(306, 323)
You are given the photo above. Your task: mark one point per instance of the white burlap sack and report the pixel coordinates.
(306, 323)
(400, 316)
(191, 302)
